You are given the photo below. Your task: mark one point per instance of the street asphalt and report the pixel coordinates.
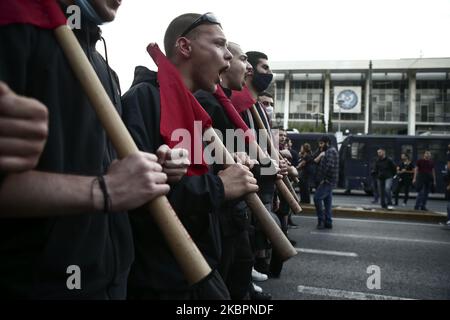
(413, 260)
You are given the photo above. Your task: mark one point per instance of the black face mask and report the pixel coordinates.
(261, 81)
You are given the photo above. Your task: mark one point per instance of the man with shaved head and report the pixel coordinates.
(196, 45)
(237, 259)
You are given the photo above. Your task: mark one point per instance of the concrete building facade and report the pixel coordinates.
(408, 96)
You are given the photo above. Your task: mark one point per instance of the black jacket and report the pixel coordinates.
(194, 199)
(35, 253)
(233, 214)
(385, 168)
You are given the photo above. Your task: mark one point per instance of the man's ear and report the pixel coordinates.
(183, 46)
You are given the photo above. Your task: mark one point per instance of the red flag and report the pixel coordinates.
(232, 113)
(45, 14)
(179, 110)
(242, 100)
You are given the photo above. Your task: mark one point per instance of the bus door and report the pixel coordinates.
(356, 166)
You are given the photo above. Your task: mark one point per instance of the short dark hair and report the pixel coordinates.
(254, 57)
(265, 94)
(175, 29)
(325, 139)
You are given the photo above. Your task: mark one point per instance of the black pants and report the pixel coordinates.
(210, 288)
(403, 184)
(276, 263)
(305, 196)
(236, 265)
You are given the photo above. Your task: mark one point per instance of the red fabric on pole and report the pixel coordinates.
(45, 14)
(242, 100)
(232, 113)
(180, 110)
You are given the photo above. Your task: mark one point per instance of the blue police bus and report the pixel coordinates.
(358, 154)
(298, 139)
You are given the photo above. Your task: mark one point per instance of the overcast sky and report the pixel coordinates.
(290, 30)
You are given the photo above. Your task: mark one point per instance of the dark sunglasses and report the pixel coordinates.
(207, 18)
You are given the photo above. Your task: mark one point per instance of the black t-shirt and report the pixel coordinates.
(406, 176)
(308, 169)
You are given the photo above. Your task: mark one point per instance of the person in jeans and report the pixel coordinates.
(424, 180)
(385, 170)
(405, 172)
(326, 178)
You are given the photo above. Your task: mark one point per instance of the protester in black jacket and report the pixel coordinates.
(385, 170)
(75, 243)
(237, 258)
(196, 199)
(258, 81)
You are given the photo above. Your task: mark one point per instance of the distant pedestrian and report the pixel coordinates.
(326, 178)
(385, 170)
(306, 170)
(405, 173)
(424, 180)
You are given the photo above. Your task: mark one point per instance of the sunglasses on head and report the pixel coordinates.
(207, 18)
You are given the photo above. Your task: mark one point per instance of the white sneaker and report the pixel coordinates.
(448, 223)
(390, 207)
(403, 204)
(257, 288)
(258, 276)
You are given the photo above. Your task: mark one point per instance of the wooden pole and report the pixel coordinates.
(281, 186)
(192, 262)
(273, 232)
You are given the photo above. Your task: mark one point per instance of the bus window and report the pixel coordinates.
(408, 149)
(437, 149)
(357, 150)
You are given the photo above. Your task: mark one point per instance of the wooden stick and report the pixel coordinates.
(281, 186)
(273, 232)
(288, 183)
(187, 254)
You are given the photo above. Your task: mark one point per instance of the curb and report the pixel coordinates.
(341, 212)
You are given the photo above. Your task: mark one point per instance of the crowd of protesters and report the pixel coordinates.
(67, 200)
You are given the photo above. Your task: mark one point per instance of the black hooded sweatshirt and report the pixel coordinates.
(35, 253)
(195, 199)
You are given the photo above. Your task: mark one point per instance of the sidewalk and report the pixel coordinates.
(412, 195)
(375, 212)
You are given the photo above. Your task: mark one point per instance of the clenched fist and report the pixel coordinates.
(23, 131)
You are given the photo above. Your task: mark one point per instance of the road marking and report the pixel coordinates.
(326, 252)
(377, 221)
(342, 294)
(358, 236)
